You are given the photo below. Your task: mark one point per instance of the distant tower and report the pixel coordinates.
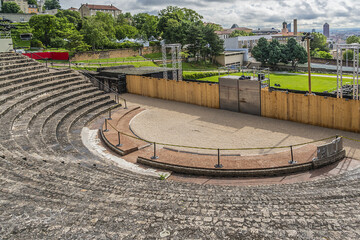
(295, 27)
(326, 30)
(284, 25)
(289, 27)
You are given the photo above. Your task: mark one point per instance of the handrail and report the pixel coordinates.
(46, 59)
(101, 84)
(223, 149)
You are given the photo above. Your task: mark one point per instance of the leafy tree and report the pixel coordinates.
(215, 44)
(261, 51)
(32, 2)
(52, 4)
(353, 39)
(146, 24)
(71, 16)
(172, 16)
(349, 54)
(275, 52)
(319, 42)
(94, 33)
(124, 18)
(123, 31)
(323, 54)
(214, 26)
(295, 53)
(237, 33)
(44, 27)
(107, 22)
(75, 42)
(10, 7)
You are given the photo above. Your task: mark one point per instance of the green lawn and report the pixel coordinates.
(294, 82)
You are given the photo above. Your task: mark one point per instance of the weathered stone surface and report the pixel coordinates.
(67, 198)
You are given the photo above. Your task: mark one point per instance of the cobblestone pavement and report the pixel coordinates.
(51, 187)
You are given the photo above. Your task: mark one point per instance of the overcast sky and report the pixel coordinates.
(250, 13)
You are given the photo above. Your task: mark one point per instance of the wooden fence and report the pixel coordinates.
(316, 110)
(203, 94)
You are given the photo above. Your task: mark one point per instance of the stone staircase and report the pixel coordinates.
(52, 187)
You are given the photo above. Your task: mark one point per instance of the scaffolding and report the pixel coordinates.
(175, 50)
(340, 50)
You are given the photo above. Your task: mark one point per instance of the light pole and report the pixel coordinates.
(308, 37)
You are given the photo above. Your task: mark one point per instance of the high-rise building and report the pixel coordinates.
(326, 30)
(289, 27)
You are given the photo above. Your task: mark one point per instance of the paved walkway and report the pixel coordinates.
(171, 122)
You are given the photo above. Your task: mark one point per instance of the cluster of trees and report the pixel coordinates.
(319, 47)
(12, 7)
(353, 39)
(237, 33)
(175, 25)
(273, 52)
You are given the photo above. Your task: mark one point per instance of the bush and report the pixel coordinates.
(57, 42)
(35, 43)
(198, 75)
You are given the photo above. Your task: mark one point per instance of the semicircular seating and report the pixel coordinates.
(46, 194)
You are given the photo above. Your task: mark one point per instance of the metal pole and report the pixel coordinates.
(154, 157)
(218, 165)
(341, 67)
(125, 104)
(119, 144)
(109, 114)
(354, 60)
(106, 128)
(337, 71)
(292, 156)
(309, 63)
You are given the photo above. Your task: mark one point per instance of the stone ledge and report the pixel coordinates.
(227, 172)
(114, 148)
(329, 160)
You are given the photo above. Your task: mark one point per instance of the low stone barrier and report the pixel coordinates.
(329, 153)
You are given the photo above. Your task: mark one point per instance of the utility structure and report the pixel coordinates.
(307, 36)
(175, 50)
(347, 49)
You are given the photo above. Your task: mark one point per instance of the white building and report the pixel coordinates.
(87, 10)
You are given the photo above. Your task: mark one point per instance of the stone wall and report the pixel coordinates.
(126, 52)
(17, 17)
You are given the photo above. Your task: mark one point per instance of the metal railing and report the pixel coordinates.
(107, 125)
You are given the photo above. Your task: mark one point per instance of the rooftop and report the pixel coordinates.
(101, 7)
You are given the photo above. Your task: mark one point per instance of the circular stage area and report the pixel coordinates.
(199, 132)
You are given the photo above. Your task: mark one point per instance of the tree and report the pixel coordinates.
(319, 42)
(32, 2)
(215, 44)
(10, 7)
(295, 53)
(94, 33)
(353, 39)
(146, 25)
(237, 33)
(275, 52)
(75, 42)
(52, 4)
(123, 31)
(323, 54)
(171, 16)
(261, 51)
(349, 54)
(71, 16)
(44, 27)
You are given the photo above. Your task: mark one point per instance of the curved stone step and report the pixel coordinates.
(75, 124)
(20, 96)
(22, 122)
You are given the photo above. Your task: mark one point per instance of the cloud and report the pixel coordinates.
(251, 13)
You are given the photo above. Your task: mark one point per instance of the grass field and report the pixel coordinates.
(294, 82)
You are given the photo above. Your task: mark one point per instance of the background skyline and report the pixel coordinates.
(250, 13)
